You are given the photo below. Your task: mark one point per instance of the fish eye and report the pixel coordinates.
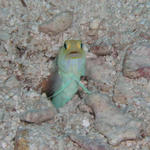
(65, 45)
(81, 45)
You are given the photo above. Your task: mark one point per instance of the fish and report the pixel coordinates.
(70, 66)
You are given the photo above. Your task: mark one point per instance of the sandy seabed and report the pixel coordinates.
(116, 37)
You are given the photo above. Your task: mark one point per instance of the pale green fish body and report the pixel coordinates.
(71, 66)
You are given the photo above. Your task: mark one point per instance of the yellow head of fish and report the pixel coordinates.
(72, 49)
(71, 57)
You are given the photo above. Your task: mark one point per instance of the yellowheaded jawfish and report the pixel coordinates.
(71, 62)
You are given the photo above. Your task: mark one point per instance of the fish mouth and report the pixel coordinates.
(74, 54)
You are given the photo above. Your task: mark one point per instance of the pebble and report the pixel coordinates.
(112, 122)
(38, 116)
(89, 144)
(40, 110)
(101, 49)
(37, 137)
(57, 24)
(98, 70)
(21, 141)
(137, 61)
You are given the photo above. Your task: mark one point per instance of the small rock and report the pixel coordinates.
(34, 138)
(98, 70)
(57, 24)
(89, 144)
(21, 142)
(40, 109)
(38, 116)
(85, 108)
(137, 61)
(111, 122)
(102, 49)
(4, 35)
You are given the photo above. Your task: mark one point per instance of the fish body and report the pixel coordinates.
(70, 67)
